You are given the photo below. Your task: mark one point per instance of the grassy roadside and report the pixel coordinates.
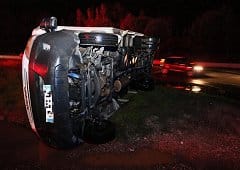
(166, 109)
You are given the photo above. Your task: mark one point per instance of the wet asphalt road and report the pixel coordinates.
(218, 82)
(21, 149)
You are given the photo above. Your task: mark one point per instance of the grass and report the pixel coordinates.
(167, 108)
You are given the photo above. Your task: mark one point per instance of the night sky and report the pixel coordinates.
(18, 18)
(151, 7)
(181, 9)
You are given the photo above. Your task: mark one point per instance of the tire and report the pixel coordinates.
(147, 84)
(99, 132)
(98, 39)
(143, 82)
(141, 42)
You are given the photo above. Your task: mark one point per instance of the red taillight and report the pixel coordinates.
(40, 69)
(156, 62)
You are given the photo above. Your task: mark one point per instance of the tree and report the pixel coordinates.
(216, 32)
(101, 18)
(90, 20)
(80, 18)
(116, 12)
(128, 22)
(159, 27)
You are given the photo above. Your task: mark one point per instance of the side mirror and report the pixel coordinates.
(49, 24)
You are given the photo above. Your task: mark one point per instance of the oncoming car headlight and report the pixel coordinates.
(198, 68)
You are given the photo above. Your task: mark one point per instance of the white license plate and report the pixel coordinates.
(48, 103)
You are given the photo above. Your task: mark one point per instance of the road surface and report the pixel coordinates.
(214, 81)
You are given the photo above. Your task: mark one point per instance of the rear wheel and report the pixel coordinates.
(142, 82)
(98, 39)
(99, 131)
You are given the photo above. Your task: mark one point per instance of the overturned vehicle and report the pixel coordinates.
(73, 78)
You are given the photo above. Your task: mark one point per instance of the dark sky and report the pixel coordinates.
(154, 7)
(24, 15)
(176, 8)
(180, 9)
(183, 11)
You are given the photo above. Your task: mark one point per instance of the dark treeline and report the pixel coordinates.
(210, 34)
